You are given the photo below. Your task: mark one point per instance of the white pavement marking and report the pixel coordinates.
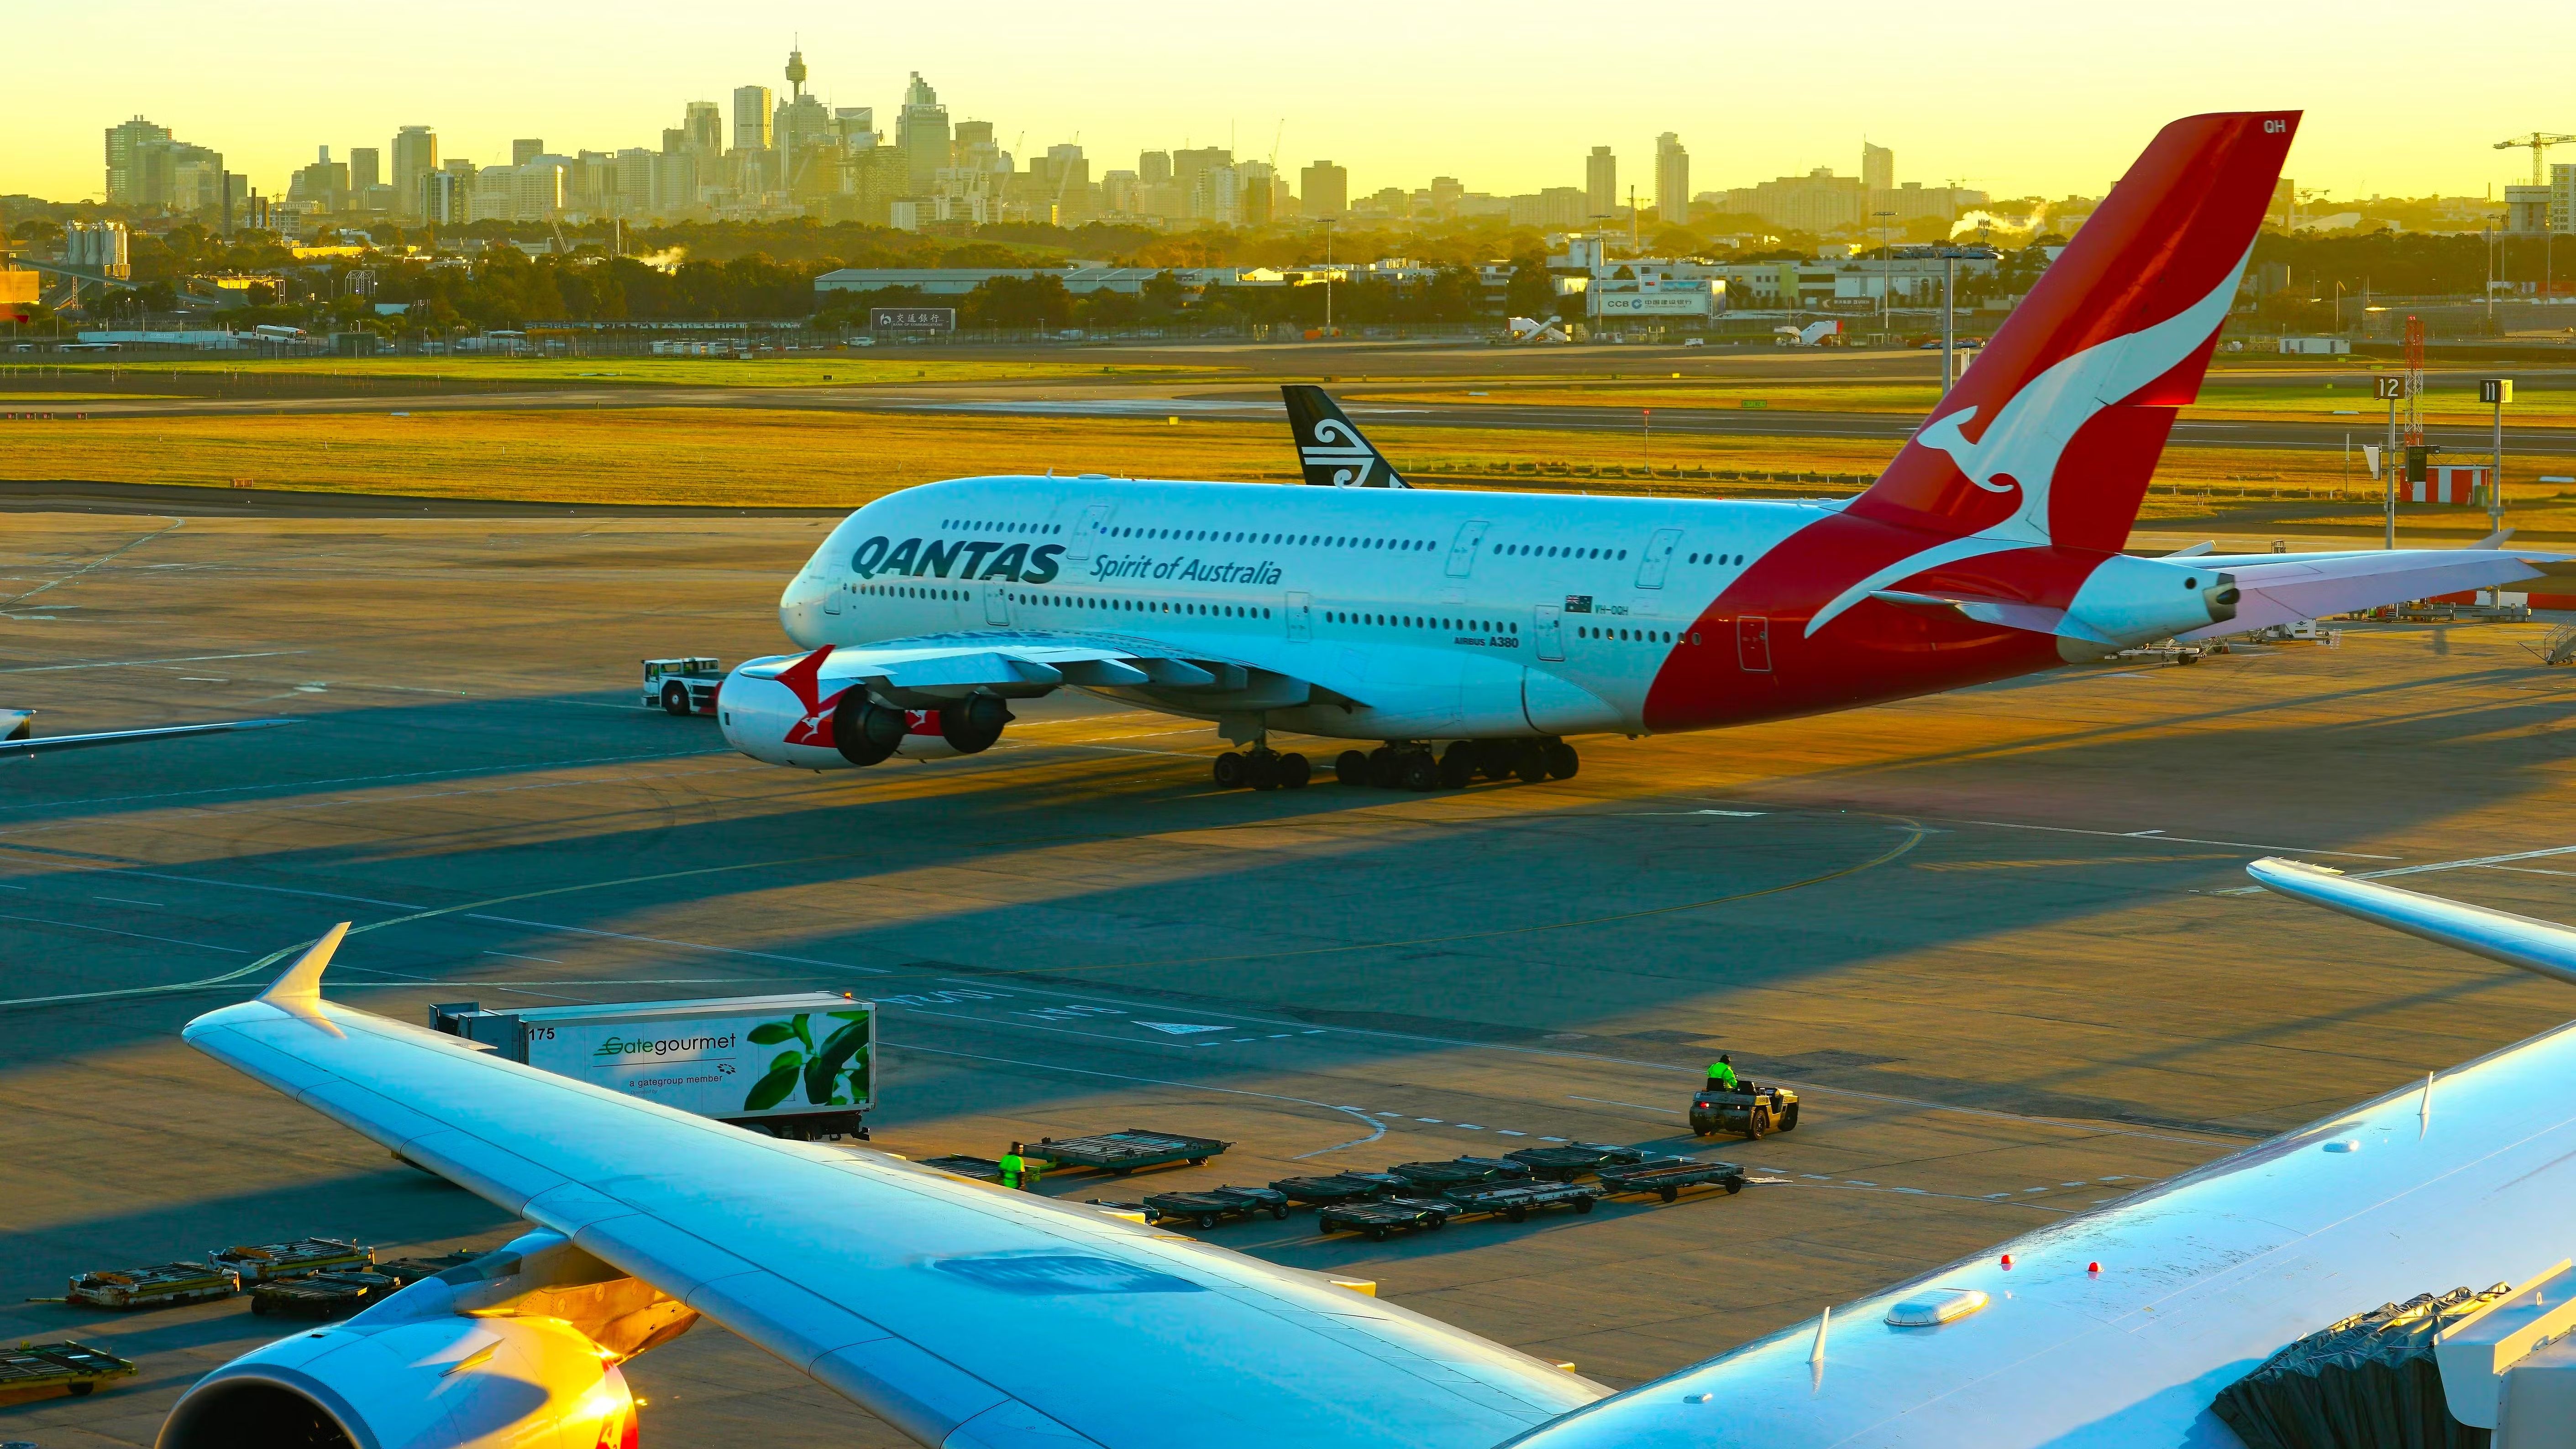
(2178, 839)
(138, 663)
(2474, 862)
(1640, 1106)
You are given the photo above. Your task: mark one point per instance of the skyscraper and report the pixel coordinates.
(704, 124)
(415, 157)
(1672, 180)
(1878, 178)
(751, 118)
(1600, 183)
(1326, 188)
(366, 165)
(921, 134)
(130, 145)
(525, 150)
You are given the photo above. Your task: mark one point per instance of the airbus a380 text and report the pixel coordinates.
(1499, 624)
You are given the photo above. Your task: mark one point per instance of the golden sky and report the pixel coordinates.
(2009, 96)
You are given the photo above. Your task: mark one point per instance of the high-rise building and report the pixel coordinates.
(752, 119)
(1153, 168)
(921, 134)
(365, 167)
(415, 157)
(1204, 199)
(1600, 184)
(321, 187)
(1445, 194)
(856, 126)
(1672, 180)
(525, 150)
(1326, 187)
(130, 150)
(704, 123)
(967, 137)
(446, 198)
(1878, 179)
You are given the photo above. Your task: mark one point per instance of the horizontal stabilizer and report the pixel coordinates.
(2007, 613)
(2283, 589)
(2544, 947)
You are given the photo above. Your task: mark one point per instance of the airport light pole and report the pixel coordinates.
(1886, 273)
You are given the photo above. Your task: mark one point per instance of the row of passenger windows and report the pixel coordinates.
(1549, 550)
(1142, 606)
(1292, 540)
(982, 525)
(1639, 636)
(1417, 621)
(1717, 558)
(913, 591)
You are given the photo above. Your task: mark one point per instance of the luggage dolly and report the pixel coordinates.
(1340, 1188)
(1574, 1159)
(1513, 1201)
(1667, 1176)
(1381, 1219)
(1121, 1153)
(1459, 1172)
(75, 1368)
(1207, 1209)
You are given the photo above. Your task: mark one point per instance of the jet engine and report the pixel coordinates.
(519, 1348)
(783, 716)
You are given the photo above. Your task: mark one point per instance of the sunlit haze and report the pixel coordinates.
(2014, 99)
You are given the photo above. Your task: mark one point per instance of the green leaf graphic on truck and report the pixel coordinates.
(835, 1074)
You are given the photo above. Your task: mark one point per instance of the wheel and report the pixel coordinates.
(1262, 769)
(1734, 1185)
(259, 1305)
(1518, 1214)
(1561, 760)
(1458, 766)
(1494, 759)
(1279, 1213)
(1668, 1193)
(1198, 1162)
(1529, 763)
(675, 697)
(1583, 1204)
(1758, 1123)
(79, 1391)
(1230, 771)
(1377, 1234)
(1351, 768)
(1294, 771)
(1789, 1118)
(1386, 767)
(1702, 1131)
(1437, 1222)
(1205, 1221)
(1421, 772)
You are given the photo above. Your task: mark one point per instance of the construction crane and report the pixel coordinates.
(2539, 142)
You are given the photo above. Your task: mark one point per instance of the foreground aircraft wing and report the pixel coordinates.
(921, 672)
(21, 741)
(969, 1316)
(1330, 446)
(2462, 1182)
(2280, 589)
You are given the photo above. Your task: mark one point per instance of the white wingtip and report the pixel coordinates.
(298, 991)
(2494, 540)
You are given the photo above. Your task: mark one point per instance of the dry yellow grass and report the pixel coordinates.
(759, 458)
(2451, 400)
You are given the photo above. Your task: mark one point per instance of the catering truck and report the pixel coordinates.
(801, 1065)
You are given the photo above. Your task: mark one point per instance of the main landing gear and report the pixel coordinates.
(1412, 766)
(1263, 768)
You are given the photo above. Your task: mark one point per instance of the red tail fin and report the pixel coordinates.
(2053, 434)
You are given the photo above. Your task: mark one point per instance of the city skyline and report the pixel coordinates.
(586, 76)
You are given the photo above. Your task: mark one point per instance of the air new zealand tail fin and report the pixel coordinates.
(1330, 445)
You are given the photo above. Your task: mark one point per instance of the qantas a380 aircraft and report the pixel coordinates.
(1504, 623)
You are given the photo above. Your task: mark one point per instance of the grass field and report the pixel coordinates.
(758, 458)
(2446, 400)
(884, 365)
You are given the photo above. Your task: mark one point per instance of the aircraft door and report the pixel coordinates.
(832, 598)
(1550, 631)
(1462, 550)
(997, 605)
(1659, 556)
(1753, 644)
(1301, 617)
(1095, 522)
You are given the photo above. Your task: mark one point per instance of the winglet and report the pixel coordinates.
(2495, 539)
(298, 992)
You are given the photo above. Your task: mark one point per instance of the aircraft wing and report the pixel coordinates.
(969, 1316)
(2462, 1182)
(21, 743)
(2281, 588)
(921, 672)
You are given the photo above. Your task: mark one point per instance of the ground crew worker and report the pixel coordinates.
(1721, 1074)
(1013, 1164)
(1031, 1169)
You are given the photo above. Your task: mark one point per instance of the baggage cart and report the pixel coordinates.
(1459, 1172)
(1209, 1208)
(321, 1295)
(75, 1368)
(1752, 1109)
(408, 1271)
(1341, 1187)
(1379, 1220)
(682, 686)
(1515, 1201)
(162, 1285)
(1574, 1159)
(1121, 1153)
(982, 1169)
(1667, 1176)
(304, 1255)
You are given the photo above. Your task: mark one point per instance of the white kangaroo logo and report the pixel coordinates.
(2021, 446)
